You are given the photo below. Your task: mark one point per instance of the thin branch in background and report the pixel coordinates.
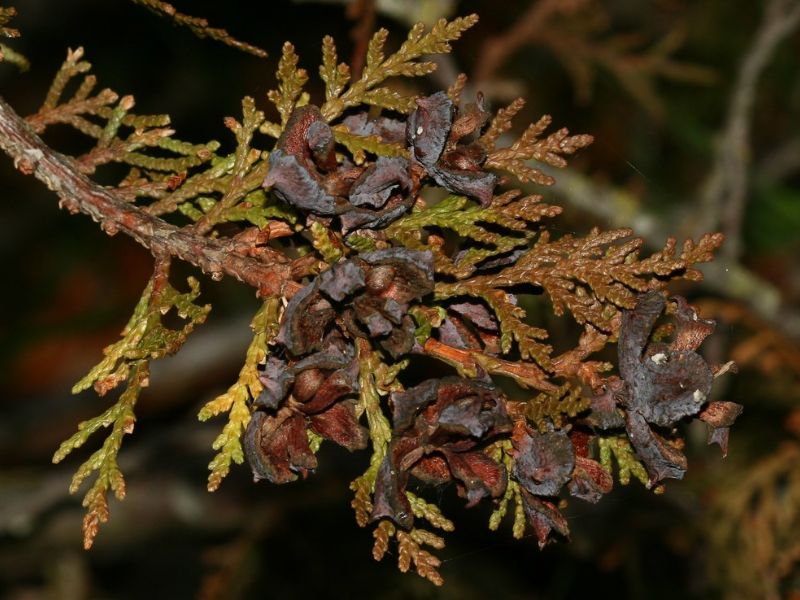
(759, 517)
(497, 50)
(781, 163)
(725, 190)
(363, 13)
(765, 347)
(200, 26)
(576, 33)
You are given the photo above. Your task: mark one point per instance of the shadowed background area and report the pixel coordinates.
(695, 109)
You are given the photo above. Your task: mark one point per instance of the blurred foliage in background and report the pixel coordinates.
(695, 108)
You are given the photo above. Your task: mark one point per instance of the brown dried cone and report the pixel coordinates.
(367, 296)
(320, 399)
(305, 173)
(433, 134)
(661, 384)
(543, 464)
(590, 481)
(440, 429)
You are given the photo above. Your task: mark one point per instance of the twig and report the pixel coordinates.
(363, 13)
(725, 190)
(469, 361)
(79, 194)
(199, 26)
(497, 50)
(781, 163)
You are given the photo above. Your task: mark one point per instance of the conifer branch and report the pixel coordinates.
(389, 270)
(200, 26)
(236, 400)
(79, 194)
(121, 418)
(402, 63)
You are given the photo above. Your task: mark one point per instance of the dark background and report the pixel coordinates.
(68, 290)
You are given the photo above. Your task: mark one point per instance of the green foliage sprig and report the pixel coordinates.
(144, 338)
(7, 53)
(236, 400)
(403, 63)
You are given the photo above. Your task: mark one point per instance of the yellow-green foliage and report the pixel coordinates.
(326, 242)
(515, 215)
(378, 67)
(427, 319)
(246, 174)
(8, 54)
(359, 145)
(513, 327)
(340, 96)
(258, 209)
(121, 419)
(519, 522)
(121, 136)
(627, 464)
(430, 512)
(380, 430)
(145, 337)
(512, 213)
(190, 178)
(290, 83)
(501, 452)
(335, 75)
(550, 410)
(251, 121)
(255, 208)
(236, 400)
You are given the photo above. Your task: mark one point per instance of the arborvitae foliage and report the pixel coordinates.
(379, 227)
(199, 26)
(7, 53)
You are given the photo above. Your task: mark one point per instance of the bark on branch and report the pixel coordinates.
(77, 193)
